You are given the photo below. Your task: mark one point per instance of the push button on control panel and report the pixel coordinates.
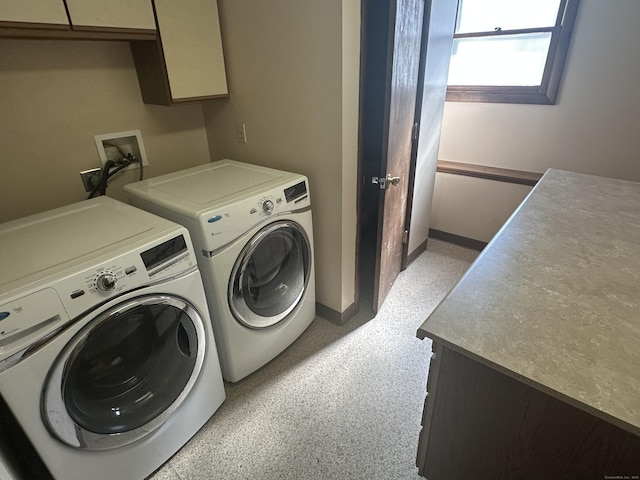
(77, 293)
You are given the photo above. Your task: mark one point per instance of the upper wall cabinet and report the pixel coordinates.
(78, 19)
(93, 15)
(176, 45)
(187, 64)
(49, 12)
(192, 46)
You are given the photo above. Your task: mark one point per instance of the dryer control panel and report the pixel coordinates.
(230, 222)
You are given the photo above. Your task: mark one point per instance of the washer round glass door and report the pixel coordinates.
(124, 373)
(270, 275)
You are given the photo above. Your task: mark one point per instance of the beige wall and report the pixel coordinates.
(593, 129)
(55, 96)
(489, 202)
(350, 111)
(292, 68)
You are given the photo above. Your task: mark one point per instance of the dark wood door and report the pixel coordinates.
(406, 21)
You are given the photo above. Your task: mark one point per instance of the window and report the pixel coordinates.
(510, 51)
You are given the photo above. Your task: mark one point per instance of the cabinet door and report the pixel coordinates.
(114, 14)
(34, 11)
(192, 47)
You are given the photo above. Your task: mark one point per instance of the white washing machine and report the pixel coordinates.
(108, 361)
(251, 228)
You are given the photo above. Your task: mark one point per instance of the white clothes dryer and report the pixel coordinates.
(108, 362)
(252, 229)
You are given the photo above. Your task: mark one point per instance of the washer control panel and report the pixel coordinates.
(125, 273)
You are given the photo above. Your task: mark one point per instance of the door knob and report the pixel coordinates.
(383, 182)
(395, 181)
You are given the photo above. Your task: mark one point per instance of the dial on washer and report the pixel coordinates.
(267, 206)
(106, 282)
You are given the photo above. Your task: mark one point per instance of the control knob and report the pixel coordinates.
(267, 206)
(106, 282)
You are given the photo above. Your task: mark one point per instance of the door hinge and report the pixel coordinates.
(414, 133)
(405, 236)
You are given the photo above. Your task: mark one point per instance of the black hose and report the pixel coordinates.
(107, 173)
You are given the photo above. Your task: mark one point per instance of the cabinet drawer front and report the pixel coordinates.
(192, 46)
(129, 14)
(34, 11)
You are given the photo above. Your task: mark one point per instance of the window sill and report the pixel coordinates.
(489, 173)
(524, 95)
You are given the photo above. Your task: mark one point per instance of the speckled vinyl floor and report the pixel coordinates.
(343, 402)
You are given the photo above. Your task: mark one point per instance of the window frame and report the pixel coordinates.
(544, 94)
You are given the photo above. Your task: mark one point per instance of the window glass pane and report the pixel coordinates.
(514, 60)
(487, 15)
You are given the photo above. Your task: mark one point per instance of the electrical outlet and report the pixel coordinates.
(90, 178)
(241, 133)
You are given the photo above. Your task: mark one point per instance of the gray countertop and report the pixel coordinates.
(554, 299)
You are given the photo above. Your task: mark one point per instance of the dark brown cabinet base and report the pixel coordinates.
(479, 423)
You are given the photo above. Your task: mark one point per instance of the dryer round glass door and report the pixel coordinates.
(270, 275)
(125, 372)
